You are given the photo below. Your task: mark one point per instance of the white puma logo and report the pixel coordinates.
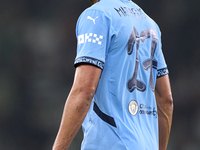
(88, 17)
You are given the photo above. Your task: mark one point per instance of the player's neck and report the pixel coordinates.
(93, 1)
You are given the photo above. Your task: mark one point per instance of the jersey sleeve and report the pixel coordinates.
(161, 66)
(92, 33)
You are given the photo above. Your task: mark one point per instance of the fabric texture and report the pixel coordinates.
(118, 37)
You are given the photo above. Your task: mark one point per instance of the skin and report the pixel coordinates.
(77, 104)
(80, 98)
(93, 1)
(165, 109)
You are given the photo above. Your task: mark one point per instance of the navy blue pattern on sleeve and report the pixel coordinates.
(162, 72)
(89, 60)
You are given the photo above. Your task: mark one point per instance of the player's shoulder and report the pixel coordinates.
(103, 7)
(153, 23)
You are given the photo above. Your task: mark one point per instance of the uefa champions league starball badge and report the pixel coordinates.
(133, 107)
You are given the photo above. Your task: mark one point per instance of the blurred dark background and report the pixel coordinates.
(37, 51)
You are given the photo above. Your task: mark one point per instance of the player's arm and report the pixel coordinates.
(77, 104)
(165, 109)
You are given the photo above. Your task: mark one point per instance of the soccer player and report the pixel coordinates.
(121, 92)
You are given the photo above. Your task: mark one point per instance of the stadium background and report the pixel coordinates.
(37, 51)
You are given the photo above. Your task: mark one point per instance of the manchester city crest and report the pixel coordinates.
(133, 107)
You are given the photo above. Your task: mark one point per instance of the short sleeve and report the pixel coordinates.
(161, 66)
(92, 33)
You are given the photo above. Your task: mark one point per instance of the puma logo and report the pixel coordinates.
(88, 17)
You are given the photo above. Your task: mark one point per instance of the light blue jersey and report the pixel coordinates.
(118, 37)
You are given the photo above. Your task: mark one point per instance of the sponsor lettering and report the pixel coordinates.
(93, 38)
(147, 110)
(142, 109)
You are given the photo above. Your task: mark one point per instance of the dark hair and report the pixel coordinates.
(91, 1)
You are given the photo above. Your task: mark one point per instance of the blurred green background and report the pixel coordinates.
(37, 51)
